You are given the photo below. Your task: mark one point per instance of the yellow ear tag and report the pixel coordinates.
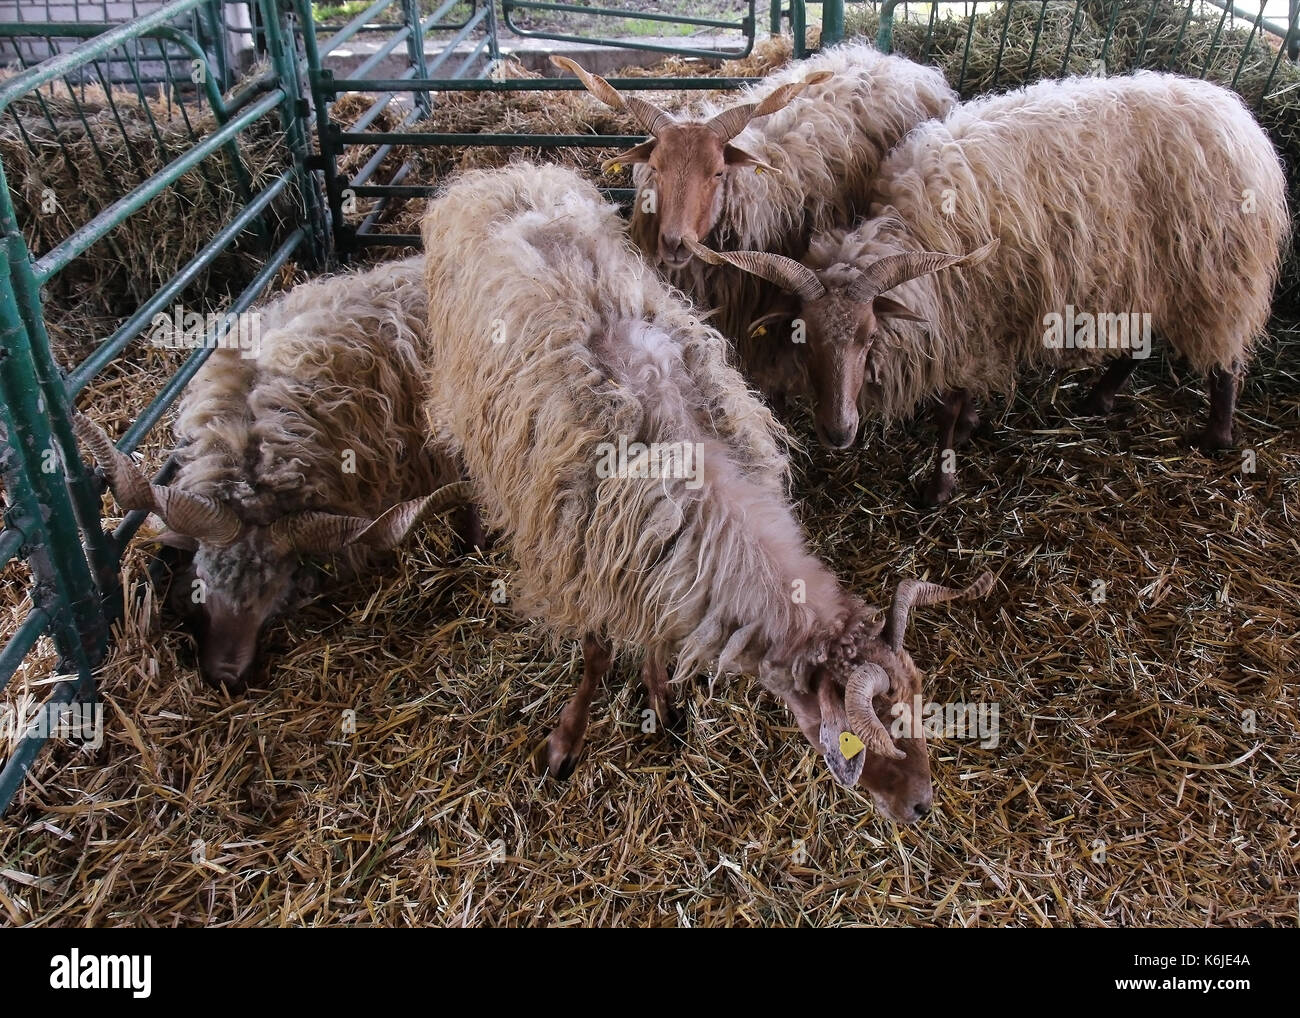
(761, 331)
(615, 167)
(758, 169)
(850, 745)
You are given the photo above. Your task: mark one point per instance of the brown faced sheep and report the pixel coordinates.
(313, 445)
(1102, 210)
(638, 482)
(758, 173)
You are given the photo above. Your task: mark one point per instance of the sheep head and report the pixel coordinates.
(244, 574)
(861, 711)
(688, 159)
(842, 308)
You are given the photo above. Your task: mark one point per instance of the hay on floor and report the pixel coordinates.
(1146, 771)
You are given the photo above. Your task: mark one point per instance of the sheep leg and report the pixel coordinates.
(654, 676)
(967, 422)
(943, 482)
(565, 742)
(1101, 399)
(1223, 401)
(470, 527)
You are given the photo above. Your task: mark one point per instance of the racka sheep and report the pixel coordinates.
(308, 442)
(639, 483)
(1095, 211)
(763, 171)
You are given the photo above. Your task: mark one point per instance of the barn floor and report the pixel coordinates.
(1148, 770)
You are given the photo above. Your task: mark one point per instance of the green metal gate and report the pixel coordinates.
(52, 519)
(1204, 38)
(421, 80)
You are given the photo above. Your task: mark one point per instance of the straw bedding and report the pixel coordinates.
(1123, 789)
(72, 153)
(1147, 772)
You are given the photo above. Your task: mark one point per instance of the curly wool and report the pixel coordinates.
(1111, 195)
(337, 382)
(552, 337)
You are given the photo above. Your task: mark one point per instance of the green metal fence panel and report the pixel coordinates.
(29, 40)
(85, 110)
(746, 26)
(453, 68)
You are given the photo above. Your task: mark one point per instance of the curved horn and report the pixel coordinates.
(730, 122)
(185, 512)
(893, 270)
(318, 533)
(917, 592)
(650, 117)
(197, 516)
(784, 272)
(392, 525)
(130, 486)
(867, 682)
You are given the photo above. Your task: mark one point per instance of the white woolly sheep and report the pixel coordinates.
(638, 482)
(1131, 205)
(698, 178)
(311, 441)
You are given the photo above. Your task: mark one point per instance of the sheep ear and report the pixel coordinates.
(843, 751)
(636, 154)
(734, 155)
(887, 307)
(770, 322)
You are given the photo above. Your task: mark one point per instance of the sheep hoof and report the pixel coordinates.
(561, 756)
(1096, 404)
(669, 717)
(941, 489)
(1211, 440)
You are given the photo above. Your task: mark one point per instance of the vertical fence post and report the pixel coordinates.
(832, 22)
(494, 45)
(34, 476)
(885, 32)
(295, 116)
(415, 49)
(1293, 35)
(318, 81)
(210, 27)
(21, 287)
